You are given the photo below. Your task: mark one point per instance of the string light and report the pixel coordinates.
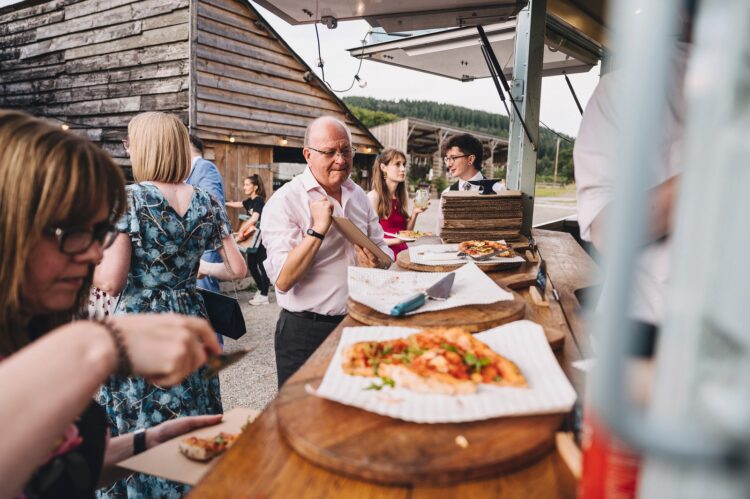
(283, 141)
(65, 126)
(231, 138)
(360, 81)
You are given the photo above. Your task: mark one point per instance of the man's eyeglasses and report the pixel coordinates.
(346, 153)
(450, 159)
(77, 241)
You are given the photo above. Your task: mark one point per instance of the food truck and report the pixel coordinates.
(692, 432)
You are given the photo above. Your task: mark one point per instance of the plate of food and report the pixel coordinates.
(411, 235)
(445, 361)
(187, 458)
(447, 375)
(480, 250)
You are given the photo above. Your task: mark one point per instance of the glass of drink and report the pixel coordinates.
(422, 199)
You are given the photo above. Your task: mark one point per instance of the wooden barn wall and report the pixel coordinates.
(393, 134)
(237, 161)
(251, 85)
(96, 63)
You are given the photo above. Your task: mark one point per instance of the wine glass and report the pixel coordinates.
(422, 199)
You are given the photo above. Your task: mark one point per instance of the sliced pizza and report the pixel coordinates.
(447, 361)
(205, 449)
(484, 249)
(413, 234)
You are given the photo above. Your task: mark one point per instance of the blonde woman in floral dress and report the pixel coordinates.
(153, 265)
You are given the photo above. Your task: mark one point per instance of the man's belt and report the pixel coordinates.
(305, 314)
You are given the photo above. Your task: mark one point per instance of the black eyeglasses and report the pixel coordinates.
(450, 159)
(78, 240)
(346, 153)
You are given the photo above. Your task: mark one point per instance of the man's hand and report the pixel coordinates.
(321, 212)
(365, 258)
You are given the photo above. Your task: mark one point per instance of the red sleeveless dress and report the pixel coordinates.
(393, 224)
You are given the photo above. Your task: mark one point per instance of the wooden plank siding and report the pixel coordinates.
(96, 63)
(237, 161)
(251, 85)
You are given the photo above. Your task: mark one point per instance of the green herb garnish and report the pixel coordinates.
(385, 381)
(449, 347)
(474, 362)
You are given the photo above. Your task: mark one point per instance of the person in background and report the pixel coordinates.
(153, 264)
(52, 234)
(594, 156)
(389, 197)
(253, 205)
(463, 156)
(206, 175)
(307, 258)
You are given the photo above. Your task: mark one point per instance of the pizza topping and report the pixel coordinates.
(205, 449)
(484, 249)
(439, 357)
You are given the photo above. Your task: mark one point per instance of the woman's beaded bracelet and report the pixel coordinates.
(124, 367)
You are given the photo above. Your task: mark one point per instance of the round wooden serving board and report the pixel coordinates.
(473, 318)
(404, 261)
(366, 445)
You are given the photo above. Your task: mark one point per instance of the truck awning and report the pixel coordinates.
(456, 53)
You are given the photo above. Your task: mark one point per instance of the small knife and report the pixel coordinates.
(216, 363)
(441, 290)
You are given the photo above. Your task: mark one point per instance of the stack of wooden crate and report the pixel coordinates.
(470, 215)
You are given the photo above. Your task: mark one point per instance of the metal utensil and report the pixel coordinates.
(441, 290)
(541, 277)
(216, 363)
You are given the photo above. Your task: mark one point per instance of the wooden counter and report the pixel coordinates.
(262, 465)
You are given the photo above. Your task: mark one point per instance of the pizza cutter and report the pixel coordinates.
(441, 290)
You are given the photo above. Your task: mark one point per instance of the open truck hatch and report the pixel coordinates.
(396, 15)
(457, 54)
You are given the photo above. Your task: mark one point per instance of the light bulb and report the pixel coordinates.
(65, 126)
(283, 141)
(231, 139)
(360, 81)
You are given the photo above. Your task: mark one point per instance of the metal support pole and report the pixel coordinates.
(557, 156)
(526, 90)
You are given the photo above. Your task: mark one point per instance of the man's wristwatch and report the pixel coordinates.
(139, 441)
(312, 233)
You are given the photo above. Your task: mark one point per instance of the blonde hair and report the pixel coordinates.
(379, 185)
(48, 177)
(159, 148)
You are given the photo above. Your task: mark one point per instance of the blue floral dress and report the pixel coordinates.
(166, 250)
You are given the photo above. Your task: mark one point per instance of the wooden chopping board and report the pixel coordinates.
(365, 445)
(473, 318)
(404, 261)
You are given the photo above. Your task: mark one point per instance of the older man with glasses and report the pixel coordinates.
(307, 258)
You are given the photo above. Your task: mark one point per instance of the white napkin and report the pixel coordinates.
(382, 289)
(446, 254)
(523, 342)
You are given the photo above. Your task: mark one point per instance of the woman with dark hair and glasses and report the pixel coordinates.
(153, 265)
(52, 233)
(250, 231)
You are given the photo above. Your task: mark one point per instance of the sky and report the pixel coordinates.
(558, 110)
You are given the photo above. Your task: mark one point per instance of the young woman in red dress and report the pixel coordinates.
(389, 197)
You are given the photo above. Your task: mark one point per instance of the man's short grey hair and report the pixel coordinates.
(333, 119)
